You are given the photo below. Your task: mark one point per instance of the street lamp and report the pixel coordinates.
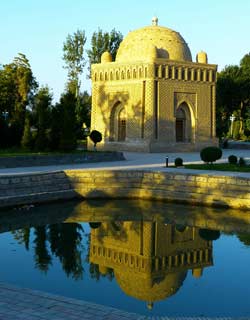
(5, 114)
(232, 118)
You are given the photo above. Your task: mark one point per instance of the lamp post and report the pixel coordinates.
(5, 114)
(232, 118)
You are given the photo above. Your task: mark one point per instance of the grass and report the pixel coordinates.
(219, 167)
(13, 152)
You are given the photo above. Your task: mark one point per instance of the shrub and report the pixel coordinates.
(96, 137)
(232, 159)
(178, 162)
(242, 162)
(210, 154)
(209, 235)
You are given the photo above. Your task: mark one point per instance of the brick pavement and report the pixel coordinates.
(26, 304)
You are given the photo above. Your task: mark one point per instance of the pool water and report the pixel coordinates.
(150, 258)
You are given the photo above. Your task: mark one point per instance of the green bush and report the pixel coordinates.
(209, 235)
(178, 162)
(210, 154)
(232, 159)
(95, 136)
(242, 162)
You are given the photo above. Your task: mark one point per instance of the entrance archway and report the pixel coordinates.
(122, 125)
(183, 128)
(118, 123)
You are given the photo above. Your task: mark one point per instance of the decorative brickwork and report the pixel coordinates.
(152, 76)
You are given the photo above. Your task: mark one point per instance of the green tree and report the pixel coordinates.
(103, 41)
(73, 56)
(233, 96)
(27, 142)
(17, 87)
(83, 110)
(41, 111)
(68, 136)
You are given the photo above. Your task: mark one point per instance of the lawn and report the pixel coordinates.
(219, 167)
(13, 152)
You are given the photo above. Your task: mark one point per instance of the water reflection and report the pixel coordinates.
(147, 248)
(63, 241)
(150, 260)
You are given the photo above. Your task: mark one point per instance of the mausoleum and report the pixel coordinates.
(153, 97)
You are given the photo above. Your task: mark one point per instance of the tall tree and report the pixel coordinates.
(68, 137)
(17, 87)
(73, 56)
(103, 41)
(233, 97)
(41, 111)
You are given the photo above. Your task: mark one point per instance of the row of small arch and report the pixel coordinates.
(134, 73)
(184, 73)
(167, 72)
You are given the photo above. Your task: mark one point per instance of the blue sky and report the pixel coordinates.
(38, 29)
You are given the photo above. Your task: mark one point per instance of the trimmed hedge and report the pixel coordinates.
(210, 154)
(178, 162)
(232, 159)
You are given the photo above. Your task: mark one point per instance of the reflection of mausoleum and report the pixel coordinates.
(150, 259)
(153, 97)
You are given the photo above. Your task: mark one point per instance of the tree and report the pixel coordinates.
(17, 87)
(95, 137)
(233, 96)
(26, 142)
(41, 111)
(83, 110)
(73, 56)
(68, 135)
(101, 42)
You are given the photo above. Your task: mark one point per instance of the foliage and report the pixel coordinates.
(233, 97)
(219, 167)
(68, 139)
(178, 162)
(73, 56)
(17, 87)
(210, 154)
(27, 141)
(41, 114)
(232, 159)
(103, 41)
(209, 235)
(95, 137)
(242, 162)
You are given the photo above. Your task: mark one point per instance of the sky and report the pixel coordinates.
(38, 29)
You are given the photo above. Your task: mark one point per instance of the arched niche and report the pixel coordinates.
(183, 123)
(118, 122)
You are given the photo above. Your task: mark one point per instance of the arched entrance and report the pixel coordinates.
(183, 128)
(122, 125)
(118, 123)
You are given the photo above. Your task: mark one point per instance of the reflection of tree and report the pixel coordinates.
(22, 236)
(42, 256)
(95, 272)
(65, 243)
(244, 238)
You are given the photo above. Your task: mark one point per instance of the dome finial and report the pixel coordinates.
(155, 21)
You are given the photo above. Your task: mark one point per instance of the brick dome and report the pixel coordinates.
(151, 42)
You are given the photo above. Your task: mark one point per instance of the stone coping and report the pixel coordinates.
(26, 304)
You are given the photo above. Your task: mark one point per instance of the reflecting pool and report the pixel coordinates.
(152, 258)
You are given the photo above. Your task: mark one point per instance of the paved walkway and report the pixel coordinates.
(27, 304)
(145, 161)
